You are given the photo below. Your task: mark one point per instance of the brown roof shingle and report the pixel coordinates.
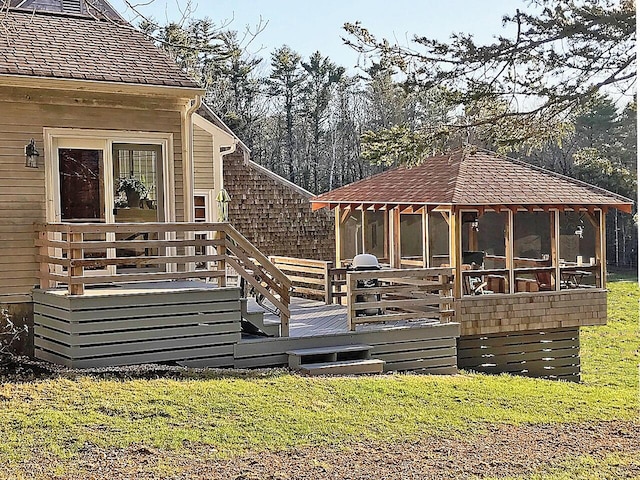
(70, 47)
(471, 178)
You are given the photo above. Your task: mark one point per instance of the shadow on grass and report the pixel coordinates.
(24, 370)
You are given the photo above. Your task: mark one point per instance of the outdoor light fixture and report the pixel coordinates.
(31, 154)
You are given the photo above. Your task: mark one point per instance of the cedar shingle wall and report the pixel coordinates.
(489, 314)
(275, 217)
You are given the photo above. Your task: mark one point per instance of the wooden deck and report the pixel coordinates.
(310, 318)
(197, 324)
(424, 345)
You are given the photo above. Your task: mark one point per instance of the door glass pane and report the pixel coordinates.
(138, 197)
(137, 183)
(81, 184)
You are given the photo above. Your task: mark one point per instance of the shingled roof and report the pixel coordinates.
(473, 178)
(42, 44)
(91, 8)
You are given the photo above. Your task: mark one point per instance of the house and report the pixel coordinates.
(526, 245)
(98, 126)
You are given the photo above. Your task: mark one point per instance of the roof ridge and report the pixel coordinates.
(556, 174)
(77, 16)
(462, 152)
(397, 167)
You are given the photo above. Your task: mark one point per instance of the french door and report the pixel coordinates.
(93, 181)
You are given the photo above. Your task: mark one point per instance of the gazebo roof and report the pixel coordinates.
(471, 178)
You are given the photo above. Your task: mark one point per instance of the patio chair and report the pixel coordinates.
(473, 284)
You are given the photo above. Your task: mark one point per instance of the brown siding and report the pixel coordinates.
(203, 159)
(23, 114)
(274, 216)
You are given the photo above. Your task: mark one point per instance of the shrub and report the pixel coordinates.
(9, 333)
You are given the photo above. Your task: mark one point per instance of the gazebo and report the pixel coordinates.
(527, 245)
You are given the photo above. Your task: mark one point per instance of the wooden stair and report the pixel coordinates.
(256, 318)
(335, 360)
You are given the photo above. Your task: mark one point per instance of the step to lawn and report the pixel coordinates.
(344, 367)
(335, 360)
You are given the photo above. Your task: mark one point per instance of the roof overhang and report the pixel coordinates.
(95, 86)
(415, 207)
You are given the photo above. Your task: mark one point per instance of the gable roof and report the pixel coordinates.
(39, 44)
(473, 178)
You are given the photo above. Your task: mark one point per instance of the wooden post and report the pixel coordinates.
(426, 251)
(222, 251)
(363, 222)
(350, 304)
(338, 230)
(555, 248)
(601, 253)
(328, 284)
(394, 240)
(284, 317)
(509, 251)
(386, 236)
(74, 271)
(455, 250)
(45, 266)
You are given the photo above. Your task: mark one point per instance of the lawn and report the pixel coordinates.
(227, 415)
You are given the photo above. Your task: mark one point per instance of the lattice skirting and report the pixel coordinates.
(552, 354)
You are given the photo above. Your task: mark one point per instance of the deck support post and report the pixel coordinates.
(338, 227)
(455, 250)
(509, 251)
(328, 294)
(222, 251)
(395, 250)
(75, 271)
(45, 283)
(426, 253)
(601, 248)
(350, 305)
(555, 247)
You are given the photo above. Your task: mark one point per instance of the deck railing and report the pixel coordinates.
(313, 278)
(308, 277)
(81, 254)
(400, 294)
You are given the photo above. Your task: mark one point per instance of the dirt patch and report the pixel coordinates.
(502, 451)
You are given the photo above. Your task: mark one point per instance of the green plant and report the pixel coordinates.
(127, 185)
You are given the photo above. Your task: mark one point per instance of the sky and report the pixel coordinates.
(307, 26)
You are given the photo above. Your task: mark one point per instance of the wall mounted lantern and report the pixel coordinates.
(31, 154)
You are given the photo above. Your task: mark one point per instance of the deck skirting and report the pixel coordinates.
(429, 349)
(552, 354)
(135, 326)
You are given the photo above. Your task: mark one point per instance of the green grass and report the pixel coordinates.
(612, 467)
(57, 418)
(610, 355)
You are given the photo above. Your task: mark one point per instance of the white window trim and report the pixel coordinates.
(55, 138)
